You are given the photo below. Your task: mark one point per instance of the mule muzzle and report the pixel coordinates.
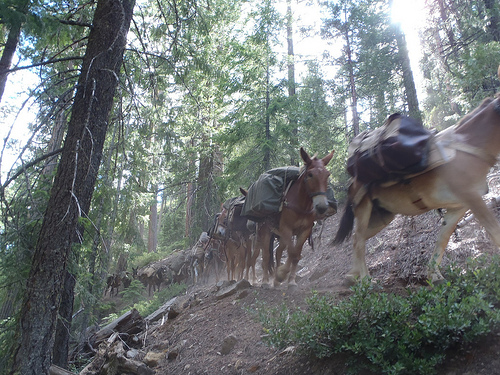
(221, 231)
(320, 203)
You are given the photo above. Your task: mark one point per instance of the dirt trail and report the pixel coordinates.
(221, 335)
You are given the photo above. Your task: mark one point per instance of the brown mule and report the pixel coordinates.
(303, 203)
(231, 229)
(456, 186)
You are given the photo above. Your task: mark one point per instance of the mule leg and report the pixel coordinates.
(285, 241)
(279, 253)
(450, 221)
(295, 256)
(241, 257)
(485, 218)
(248, 258)
(262, 242)
(362, 213)
(255, 252)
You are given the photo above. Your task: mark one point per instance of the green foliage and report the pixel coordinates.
(133, 293)
(135, 297)
(147, 258)
(7, 337)
(159, 298)
(390, 333)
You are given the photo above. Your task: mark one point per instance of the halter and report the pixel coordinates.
(313, 194)
(298, 210)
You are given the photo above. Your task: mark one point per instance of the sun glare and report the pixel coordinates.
(411, 15)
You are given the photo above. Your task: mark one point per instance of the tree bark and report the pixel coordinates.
(61, 339)
(73, 186)
(408, 81)
(292, 119)
(11, 45)
(153, 223)
(352, 84)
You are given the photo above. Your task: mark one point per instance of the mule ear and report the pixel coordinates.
(328, 157)
(243, 191)
(305, 156)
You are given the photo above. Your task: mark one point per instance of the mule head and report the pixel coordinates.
(220, 229)
(316, 180)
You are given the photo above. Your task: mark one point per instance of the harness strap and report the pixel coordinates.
(317, 193)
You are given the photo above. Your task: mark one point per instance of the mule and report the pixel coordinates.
(456, 186)
(198, 256)
(303, 202)
(213, 262)
(231, 228)
(113, 284)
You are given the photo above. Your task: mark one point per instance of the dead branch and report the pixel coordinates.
(111, 359)
(129, 323)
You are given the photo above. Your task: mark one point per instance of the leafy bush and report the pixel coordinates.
(159, 298)
(134, 296)
(393, 334)
(133, 293)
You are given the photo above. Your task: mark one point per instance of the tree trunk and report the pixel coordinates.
(153, 224)
(292, 119)
(352, 83)
(61, 340)
(10, 45)
(267, 151)
(73, 186)
(57, 136)
(189, 209)
(409, 83)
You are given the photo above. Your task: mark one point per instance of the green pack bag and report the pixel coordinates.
(266, 194)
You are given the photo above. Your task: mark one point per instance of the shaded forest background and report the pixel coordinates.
(209, 94)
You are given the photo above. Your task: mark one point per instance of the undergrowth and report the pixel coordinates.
(145, 307)
(393, 334)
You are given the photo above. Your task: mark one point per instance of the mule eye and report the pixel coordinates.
(310, 175)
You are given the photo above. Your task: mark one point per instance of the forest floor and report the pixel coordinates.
(219, 334)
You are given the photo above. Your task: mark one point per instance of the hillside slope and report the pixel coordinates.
(220, 334)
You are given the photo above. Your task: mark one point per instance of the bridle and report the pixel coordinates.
(310, 194)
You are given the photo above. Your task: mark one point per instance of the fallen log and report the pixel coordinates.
(130, 323)
(161, 312)
(111, 359)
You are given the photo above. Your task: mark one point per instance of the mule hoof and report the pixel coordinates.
(280, 275)
(292, 286)
(351, 280)
(265, 286)
(276, 283)
(435, 278)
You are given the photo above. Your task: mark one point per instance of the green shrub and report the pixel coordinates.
(389, 333)
(159, 298)
(133, 293)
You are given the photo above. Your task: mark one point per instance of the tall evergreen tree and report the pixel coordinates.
(73, 186)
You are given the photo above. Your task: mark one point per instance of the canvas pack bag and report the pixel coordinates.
(265, 195)
(398, 148)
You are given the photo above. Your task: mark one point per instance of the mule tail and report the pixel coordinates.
(346, 225)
